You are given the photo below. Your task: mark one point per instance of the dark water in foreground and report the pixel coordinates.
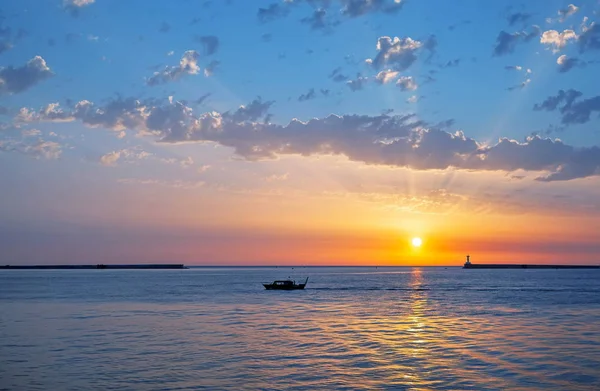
(351, 329)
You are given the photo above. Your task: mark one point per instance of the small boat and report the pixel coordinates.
(286, 285)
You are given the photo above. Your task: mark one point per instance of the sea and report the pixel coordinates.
(352, 328)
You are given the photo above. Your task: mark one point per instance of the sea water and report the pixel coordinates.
(350, 329)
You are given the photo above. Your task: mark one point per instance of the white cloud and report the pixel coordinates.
(397, 53)
(188, 65)
(385, 77)
(556, 39)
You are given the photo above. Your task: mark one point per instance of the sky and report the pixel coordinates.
(299, 132)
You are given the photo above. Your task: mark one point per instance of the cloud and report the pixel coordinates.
(277, 178)
(317, 20)
(38, 149)
(354, 8)
(272, 12)
(451, 63)
(513, 67)
(210, 44)
(407, 83)
(73, 6)
(431, 46)
(506, 42)
(211, 67)
(400, 141)
(164, 27)
(337, 76)
(520, 86)
(15, 80)
(517, 17)
(202, 98)
(589, 38)
(31, 133)
(308, 96)
(564, 13)
(565, 64)
(397, 53)
(188, 65)
(129, 154)
(573, 110)
(357, 84)
(412, 99)
(177, 184)
(385, 77)
(556, 39)
(253, 111)
(4, 46)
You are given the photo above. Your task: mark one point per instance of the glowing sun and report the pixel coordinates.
(416, 242)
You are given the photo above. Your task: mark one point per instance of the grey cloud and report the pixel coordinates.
(272, 12)
(188, 65)
(518, 17)
(201, 100)
(15, 80)
(397, 53)
(573, 110)
(589, 39)
(357, 84)
(317, 20)
(513, 67)
(451, 63)
(4, 46)
(210, 69)
(520, 86)
(567, 11)
(308, 96)
(337, 76)
(506, 43)
(164, 27)
(354, 8)
(565, 63)
(251, 112)
(430, 45)
(325, 92)
(38, 149)
(401, 141)
(452, 27)
(267, 37)
(210, 44)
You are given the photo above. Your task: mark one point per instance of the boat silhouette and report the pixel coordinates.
(286, 285)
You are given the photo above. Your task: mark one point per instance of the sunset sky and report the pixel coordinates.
(302, 132)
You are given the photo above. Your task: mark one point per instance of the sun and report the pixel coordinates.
(416, 242)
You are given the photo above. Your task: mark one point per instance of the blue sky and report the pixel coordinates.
(149, 94)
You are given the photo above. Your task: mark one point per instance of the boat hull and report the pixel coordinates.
(272, 287)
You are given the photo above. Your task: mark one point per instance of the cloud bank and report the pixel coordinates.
(400, 141)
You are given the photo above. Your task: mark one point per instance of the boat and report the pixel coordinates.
(285, 285)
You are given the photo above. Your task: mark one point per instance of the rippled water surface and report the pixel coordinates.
(351, 329)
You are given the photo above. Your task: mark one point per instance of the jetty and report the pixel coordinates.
(469, 265)
(98, 266)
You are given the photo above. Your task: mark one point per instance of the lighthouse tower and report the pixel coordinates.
(468, 263)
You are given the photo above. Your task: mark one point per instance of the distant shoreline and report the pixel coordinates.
(97, 266)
